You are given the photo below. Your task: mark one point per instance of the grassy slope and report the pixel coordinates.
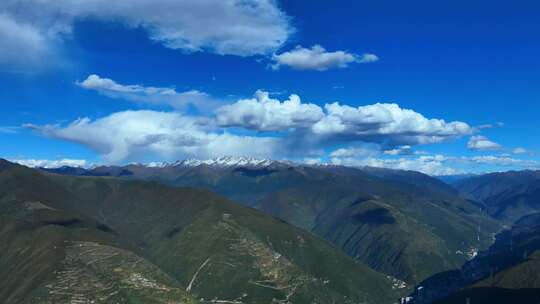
(51, 256)
(43, 256)
(432, 222)
(243, 255)
(164, 221)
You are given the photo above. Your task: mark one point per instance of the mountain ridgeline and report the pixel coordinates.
(284, 233)
(404, 224)
(506, 196)
(66, 239)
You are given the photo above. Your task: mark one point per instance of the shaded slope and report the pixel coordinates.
(523, 275)
(510, 266)
(493, 295)
(507, 196)
(389, 240)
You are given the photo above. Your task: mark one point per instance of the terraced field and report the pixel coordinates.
(95, 273)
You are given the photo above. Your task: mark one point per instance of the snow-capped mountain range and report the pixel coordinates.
(218, 162)
(226, 161)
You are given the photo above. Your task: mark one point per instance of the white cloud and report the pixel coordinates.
(317, 58)
(22, 43)
(151, 95)
(266, 114)
(433, 164)
(404, 150)
(232, 27)
(168, 135)
(355, 152)
(367, 58)
(490, 126)
(401, 150)
(482, 143)
(47, 163)
(428, 164)
(387, 124)
(502, 161)
(379, 133)
(136, 135)
(295, 129)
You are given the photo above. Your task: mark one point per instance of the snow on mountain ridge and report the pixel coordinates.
(226, 161)
(223, 162)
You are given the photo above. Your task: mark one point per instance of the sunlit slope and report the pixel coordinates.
(50, 256)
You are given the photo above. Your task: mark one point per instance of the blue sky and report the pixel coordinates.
(178, 79)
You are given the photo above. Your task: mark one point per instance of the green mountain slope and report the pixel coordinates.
(145, 242)
(51, 256)
(431, 228)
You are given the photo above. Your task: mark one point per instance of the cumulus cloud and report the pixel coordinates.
(234, 27)
(267, 114)
(482, 143)
(47, 163)
(168, 135)
(259, 127)
(135, 135)
(151, 95)
(385, 124)
(319, 59)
